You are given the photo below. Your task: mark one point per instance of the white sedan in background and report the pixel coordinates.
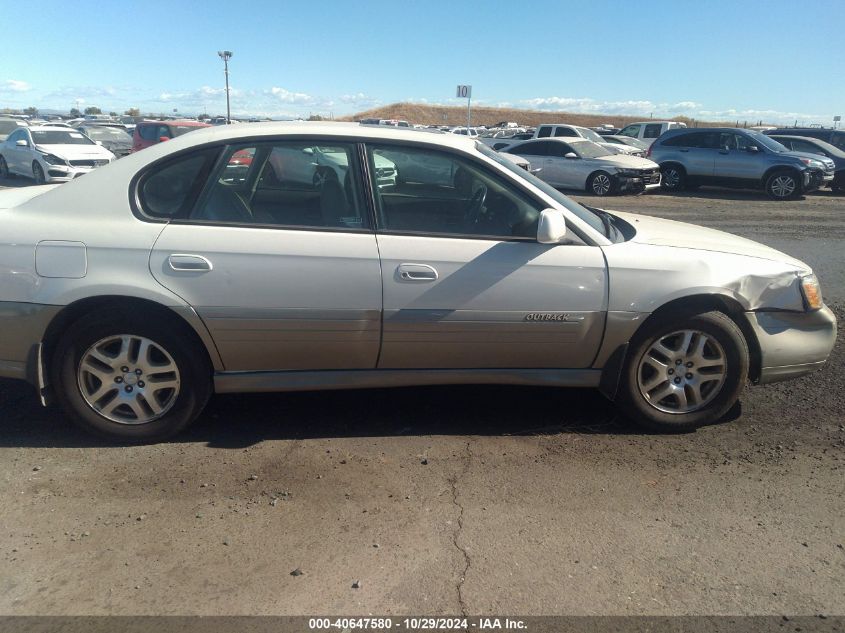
(50, 154)
(576, 163)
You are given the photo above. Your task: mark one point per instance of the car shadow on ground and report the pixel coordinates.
(242, 420)
(17, 181)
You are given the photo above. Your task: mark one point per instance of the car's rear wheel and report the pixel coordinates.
(672, 178)
(130, 379)
(4, 169)
(38, 173)
(601, 184)
(684, 372)
(782, 185)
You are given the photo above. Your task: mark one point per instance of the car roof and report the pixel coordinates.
(236, 132)
(50, 128)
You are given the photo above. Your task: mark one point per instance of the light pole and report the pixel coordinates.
(226, 56)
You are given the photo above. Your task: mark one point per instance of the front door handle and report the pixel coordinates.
(183, 262)
(416, 272)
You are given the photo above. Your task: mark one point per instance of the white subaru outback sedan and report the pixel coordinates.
(134, 293)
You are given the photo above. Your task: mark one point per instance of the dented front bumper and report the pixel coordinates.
(792, 343)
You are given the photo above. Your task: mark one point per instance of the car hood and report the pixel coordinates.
(628, 162)
(622, 149)
(13, 197)
(660, 232)
(74, 152)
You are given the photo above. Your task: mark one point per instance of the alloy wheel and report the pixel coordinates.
(128, 379)
(682, 372)
(783, 186)
(601, 184)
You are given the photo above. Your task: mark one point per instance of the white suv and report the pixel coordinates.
(649, 131)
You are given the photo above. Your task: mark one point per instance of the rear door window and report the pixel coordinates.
(545, 131)
(565, 131)
(168, 191)
(652, 130)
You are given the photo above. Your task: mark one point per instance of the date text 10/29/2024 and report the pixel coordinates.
(416, 624)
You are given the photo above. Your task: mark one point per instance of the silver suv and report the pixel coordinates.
(732, 157)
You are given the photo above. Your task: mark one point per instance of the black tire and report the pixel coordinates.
(38, 173)
(783, 184)
(194, 373)
(602, 184)
(672, 177)
(4, 169)
(717, 402)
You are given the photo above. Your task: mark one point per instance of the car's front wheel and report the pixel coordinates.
(672, 178)
(38, 173)
(130, 379)
(684, 372)
(782, 185)
(601, 184)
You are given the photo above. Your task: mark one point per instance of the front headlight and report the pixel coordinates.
(815, 164)
(627, 172)
(53, 160)
(812, 292)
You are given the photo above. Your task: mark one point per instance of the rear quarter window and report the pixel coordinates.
(168, 190)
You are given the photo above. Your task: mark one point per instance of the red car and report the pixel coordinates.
(149, 133)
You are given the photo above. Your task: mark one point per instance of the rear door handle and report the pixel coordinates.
(683, 150)
(183, 262)
(416, 272)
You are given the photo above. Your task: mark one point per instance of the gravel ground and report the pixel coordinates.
(447, 500)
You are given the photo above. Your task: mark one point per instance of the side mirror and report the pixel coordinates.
(98, 142)
(570, 155)
(551, 229)
(22, 143)
(162, 139)
(752, 148)
(308, 150)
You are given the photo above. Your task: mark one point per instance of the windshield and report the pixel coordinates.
(59, 137)
(590, 218)
(588, 149)
(590, 135)
(766, 141)
(107, 134)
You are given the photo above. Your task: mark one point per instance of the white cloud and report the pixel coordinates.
(14, 85)
(286, 96)
(691, 109)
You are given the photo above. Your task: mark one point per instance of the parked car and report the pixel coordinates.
(113, 137)
(7, 126)
(50, 154)
(626, 140)
(735, 157)
(148, 133)
(829, 135)
(564, 130)
(472, 132)
(649, 131)
(807, 145)
(576, 163)
(172, 283)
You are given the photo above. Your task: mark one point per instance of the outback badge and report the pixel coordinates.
(551, 316)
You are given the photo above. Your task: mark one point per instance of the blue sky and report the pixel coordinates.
(776, 60)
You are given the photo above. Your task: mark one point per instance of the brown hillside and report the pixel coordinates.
(445, 115)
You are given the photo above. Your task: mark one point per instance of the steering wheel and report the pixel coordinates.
(476, 204)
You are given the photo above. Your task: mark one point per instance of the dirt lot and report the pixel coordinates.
(449, 500)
